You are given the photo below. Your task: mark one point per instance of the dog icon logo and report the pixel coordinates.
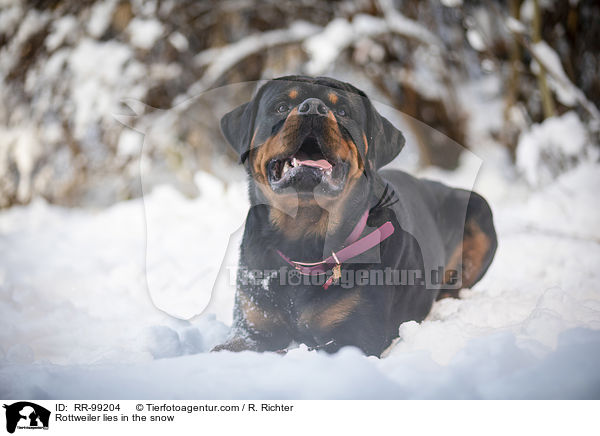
(26, 415)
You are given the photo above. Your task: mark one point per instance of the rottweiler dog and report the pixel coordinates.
(336, 252)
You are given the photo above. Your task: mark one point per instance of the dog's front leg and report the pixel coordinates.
(257, 327)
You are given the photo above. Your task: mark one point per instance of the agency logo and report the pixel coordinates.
(26, 415)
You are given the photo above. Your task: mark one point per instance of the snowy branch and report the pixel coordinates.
(545, 56)
(324, 47)
(220, 60)
(322, 44)
(548, 58)
(399, 24)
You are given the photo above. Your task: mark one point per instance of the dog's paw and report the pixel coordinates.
(235, 345)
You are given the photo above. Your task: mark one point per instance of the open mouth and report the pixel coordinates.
(308, 169)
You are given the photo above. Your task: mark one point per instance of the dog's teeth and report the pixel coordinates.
(294, 162)
(328, 171)
(286, 166)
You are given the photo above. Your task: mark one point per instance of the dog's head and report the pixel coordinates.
(314, 137)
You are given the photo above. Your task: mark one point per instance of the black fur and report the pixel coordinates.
(429, 220)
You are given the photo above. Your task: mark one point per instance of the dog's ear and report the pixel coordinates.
(385, 141)
(238, 128)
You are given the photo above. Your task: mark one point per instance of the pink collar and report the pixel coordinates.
(352, 248)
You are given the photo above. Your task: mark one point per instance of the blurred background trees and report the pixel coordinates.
(480, 72)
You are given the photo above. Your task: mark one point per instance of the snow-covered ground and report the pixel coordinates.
(77, 319)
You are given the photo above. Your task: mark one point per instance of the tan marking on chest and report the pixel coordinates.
(257, 317)
(333, 314)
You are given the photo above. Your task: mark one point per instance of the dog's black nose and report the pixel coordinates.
(312, 106)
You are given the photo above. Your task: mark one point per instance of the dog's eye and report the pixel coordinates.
(341, 112)
(282, 108)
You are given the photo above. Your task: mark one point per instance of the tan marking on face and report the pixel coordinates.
(366, 144)
(332, 315)
(293, 93)
(331, 117)
(333, 98)
(314, 219)
(344, 148)
(262, 153)
(311, 218)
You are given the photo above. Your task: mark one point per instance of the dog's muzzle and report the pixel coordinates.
(312, 167)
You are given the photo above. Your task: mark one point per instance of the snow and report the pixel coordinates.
(220, 60)
(475, 40)
(97, 90)
(31, 23)
(130, 143)
(558, 79)
(402, 25)
(62, 29)
(144, 33)
(426, 76)
(545, 56)
(179, 41)
(10, 15)
(515, 25)
(527, 11)
(452, 3)
(181, 285)
(566, 92)
(325, 46)
(26, 150)
(100, 17)
(77, 318)
(549, 148)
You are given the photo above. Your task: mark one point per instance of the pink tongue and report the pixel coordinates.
(321, 163)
